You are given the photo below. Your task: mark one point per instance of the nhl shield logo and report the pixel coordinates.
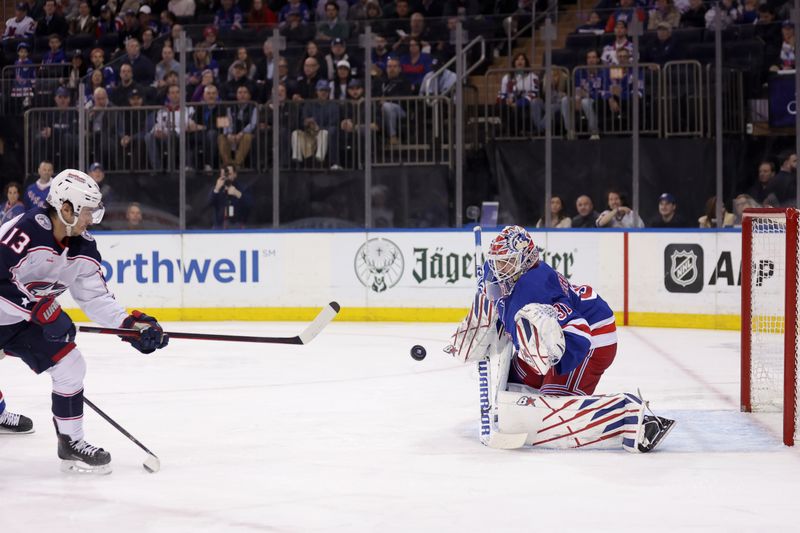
(683, 268)
(379, 264)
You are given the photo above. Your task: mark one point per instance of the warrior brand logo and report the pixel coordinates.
(379, 264)
(683, 268)
(483, 382)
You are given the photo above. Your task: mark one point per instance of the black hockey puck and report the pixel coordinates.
(418, 352)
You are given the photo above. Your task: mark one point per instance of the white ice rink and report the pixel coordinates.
(350, 434)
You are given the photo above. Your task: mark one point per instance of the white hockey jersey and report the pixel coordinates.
(33, 265)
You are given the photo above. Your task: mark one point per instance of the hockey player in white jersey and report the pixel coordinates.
(542, 345)
(43, 253)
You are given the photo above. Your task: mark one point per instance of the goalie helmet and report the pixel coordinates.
(511, 254)
(80, 190)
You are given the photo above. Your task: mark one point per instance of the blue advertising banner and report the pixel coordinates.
(782, 106)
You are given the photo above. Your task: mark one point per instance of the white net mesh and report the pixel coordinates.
(769, 283)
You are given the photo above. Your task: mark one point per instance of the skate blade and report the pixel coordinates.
(79, 467)
(4, 431)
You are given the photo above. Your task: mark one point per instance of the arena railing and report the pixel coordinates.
(733, 110)
(684, 99)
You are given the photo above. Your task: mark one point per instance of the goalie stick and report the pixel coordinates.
(324, 318)
(487, 386)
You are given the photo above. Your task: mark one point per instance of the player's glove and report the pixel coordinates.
(151, 336)
(56, 325)
(540, 337)
(476, 332)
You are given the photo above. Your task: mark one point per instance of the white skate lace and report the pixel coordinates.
(84, 447)
(9, 419)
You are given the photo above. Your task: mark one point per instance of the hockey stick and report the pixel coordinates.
(152, 463)
(490, 434)
(324, 317)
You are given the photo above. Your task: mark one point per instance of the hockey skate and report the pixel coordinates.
(78, 456)
(14, 424)
(654, 430)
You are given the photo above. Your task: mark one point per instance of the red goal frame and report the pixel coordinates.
(790, 315)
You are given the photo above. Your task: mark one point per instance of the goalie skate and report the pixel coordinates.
(80, 457)
(654, 429)
(14, 424)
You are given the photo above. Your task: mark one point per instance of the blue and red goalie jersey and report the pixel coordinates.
(585, 317)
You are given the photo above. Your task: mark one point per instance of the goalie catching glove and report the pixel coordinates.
(151, 335)
(540, 337)
(473, 337)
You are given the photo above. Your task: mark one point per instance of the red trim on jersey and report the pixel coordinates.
(62, 353)
(602, 330)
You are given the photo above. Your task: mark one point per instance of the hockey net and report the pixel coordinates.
(769, 315)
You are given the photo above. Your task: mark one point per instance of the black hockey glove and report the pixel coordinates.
(151, 336)
(56, 325)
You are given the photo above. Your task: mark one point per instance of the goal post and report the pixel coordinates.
(769, 315)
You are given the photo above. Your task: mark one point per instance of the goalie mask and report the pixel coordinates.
(81, 191)
(511, 254)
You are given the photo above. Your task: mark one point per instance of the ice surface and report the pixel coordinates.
(351, 434)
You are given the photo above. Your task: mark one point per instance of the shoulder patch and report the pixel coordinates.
(44, 221)
(88, 236)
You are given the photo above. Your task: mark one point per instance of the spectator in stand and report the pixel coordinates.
(149, 48)
(785, 180)
(320, 5)
(166, 21)
(695, 16)
(445, 49)
(57, 133)
(785, 59)
(163, 137)
(260, 15)
(357, 13)
(763, 190)
(182, 8)
(471, 8)
(664, 48)
(136, 122)
(312, 50)
(625, 13)
(555, 94)
(618, 214)
(77, 69)
(380, 55)
(107, 23)
(95, 81)
(287, 122)
(144, 71)
(230, 201)
(243, 57)
(419, 31)
(393, 85)
(133, 215)
(210, 39)
(170, 78)
(306, 87)
(97, 59)
(664, 11)
(284, 79)
(295, 30)
(119, 94)
(520, 90)
(104, 127)
(20, 26)
(206, 79)
(594, 24)
(209, 119)
(375, 19)
(587, 216)
(591, 91)
(24, 75)
(731, 13)
(167, 64)
(558, 218)
(51, 22)
(342, 81)
(146, 20)
(740, 203)
(54, 56)
(237, 136)
(416, 64)
(13, 205)
(332, 27)
(709, 218)
(331, 60)
(399, 24)
(98, 174)
(130, 27)
(174, 39)
(36, 193)
(668, 215)
(320, 129)
(749, 12)
(621, 42)
(353, 112)
(295, 6)
(228, 16)
(84, 23)
(231, 88)
(620, 89)
(201, 61)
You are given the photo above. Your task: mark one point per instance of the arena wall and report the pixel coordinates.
(650, 278)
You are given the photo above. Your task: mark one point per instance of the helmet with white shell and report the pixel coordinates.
(80, 190)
